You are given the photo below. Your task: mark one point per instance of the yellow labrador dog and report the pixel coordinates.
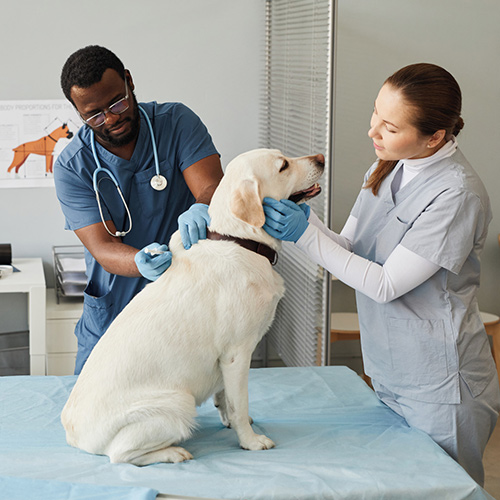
(190, 334)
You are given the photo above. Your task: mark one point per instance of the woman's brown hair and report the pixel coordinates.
(436, 97)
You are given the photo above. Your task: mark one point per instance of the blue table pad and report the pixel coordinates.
(334, 440)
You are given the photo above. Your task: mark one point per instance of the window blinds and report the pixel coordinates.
(297, 118)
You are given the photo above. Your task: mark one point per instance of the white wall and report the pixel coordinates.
(205, 53)
(376, 38)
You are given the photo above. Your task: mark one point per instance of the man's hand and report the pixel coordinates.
(153, 260)
(193, 224)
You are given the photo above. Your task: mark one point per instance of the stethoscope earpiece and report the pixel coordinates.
(158, 182)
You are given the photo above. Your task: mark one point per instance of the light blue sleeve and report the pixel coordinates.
(447, 230)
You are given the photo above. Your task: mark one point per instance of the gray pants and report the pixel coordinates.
(462, 430)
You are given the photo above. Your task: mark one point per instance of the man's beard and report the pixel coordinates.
(111, 140)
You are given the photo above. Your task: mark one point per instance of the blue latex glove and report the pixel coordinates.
(285, 220)
(152, 265)
(193, 224)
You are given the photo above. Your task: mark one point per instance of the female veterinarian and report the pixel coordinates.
(410, 249)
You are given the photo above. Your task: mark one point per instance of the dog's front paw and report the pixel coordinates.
(257, 442)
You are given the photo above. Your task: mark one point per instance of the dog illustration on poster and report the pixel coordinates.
(43, 146)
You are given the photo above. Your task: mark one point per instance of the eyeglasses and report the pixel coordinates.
(117, 108)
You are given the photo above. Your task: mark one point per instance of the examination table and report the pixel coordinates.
(334, 440)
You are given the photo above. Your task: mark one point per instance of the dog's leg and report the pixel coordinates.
(235, 368)
(48, 163)
(220, 404)
(17, 162)
(154, 425)
(139, 444)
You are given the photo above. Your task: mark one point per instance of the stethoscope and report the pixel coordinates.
(158, 182)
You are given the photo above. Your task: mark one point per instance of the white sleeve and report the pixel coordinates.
(403, 271)
(344, 238)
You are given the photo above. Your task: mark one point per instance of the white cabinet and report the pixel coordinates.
(31, 280)
(61, 341)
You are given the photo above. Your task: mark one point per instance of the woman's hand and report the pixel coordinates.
(285, 220)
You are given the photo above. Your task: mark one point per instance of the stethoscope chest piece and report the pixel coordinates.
(158, 182)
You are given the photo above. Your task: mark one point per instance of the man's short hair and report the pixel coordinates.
(86, 66)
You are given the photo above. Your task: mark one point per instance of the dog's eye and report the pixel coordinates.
(284, 166)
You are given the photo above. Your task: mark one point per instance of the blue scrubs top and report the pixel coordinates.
(421, 343)
(182, 140)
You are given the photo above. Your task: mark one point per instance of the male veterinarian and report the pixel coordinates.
(132, 174)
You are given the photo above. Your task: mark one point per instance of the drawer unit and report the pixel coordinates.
(62, 318)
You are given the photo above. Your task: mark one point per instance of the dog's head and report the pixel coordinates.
(260, 173)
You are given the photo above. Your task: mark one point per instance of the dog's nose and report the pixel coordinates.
(320, 160)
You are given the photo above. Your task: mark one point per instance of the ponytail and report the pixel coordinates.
(458, 126)
(383, 169)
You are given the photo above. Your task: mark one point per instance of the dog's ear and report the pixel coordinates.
(246, 204)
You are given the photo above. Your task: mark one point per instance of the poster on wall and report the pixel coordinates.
(32, 134)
